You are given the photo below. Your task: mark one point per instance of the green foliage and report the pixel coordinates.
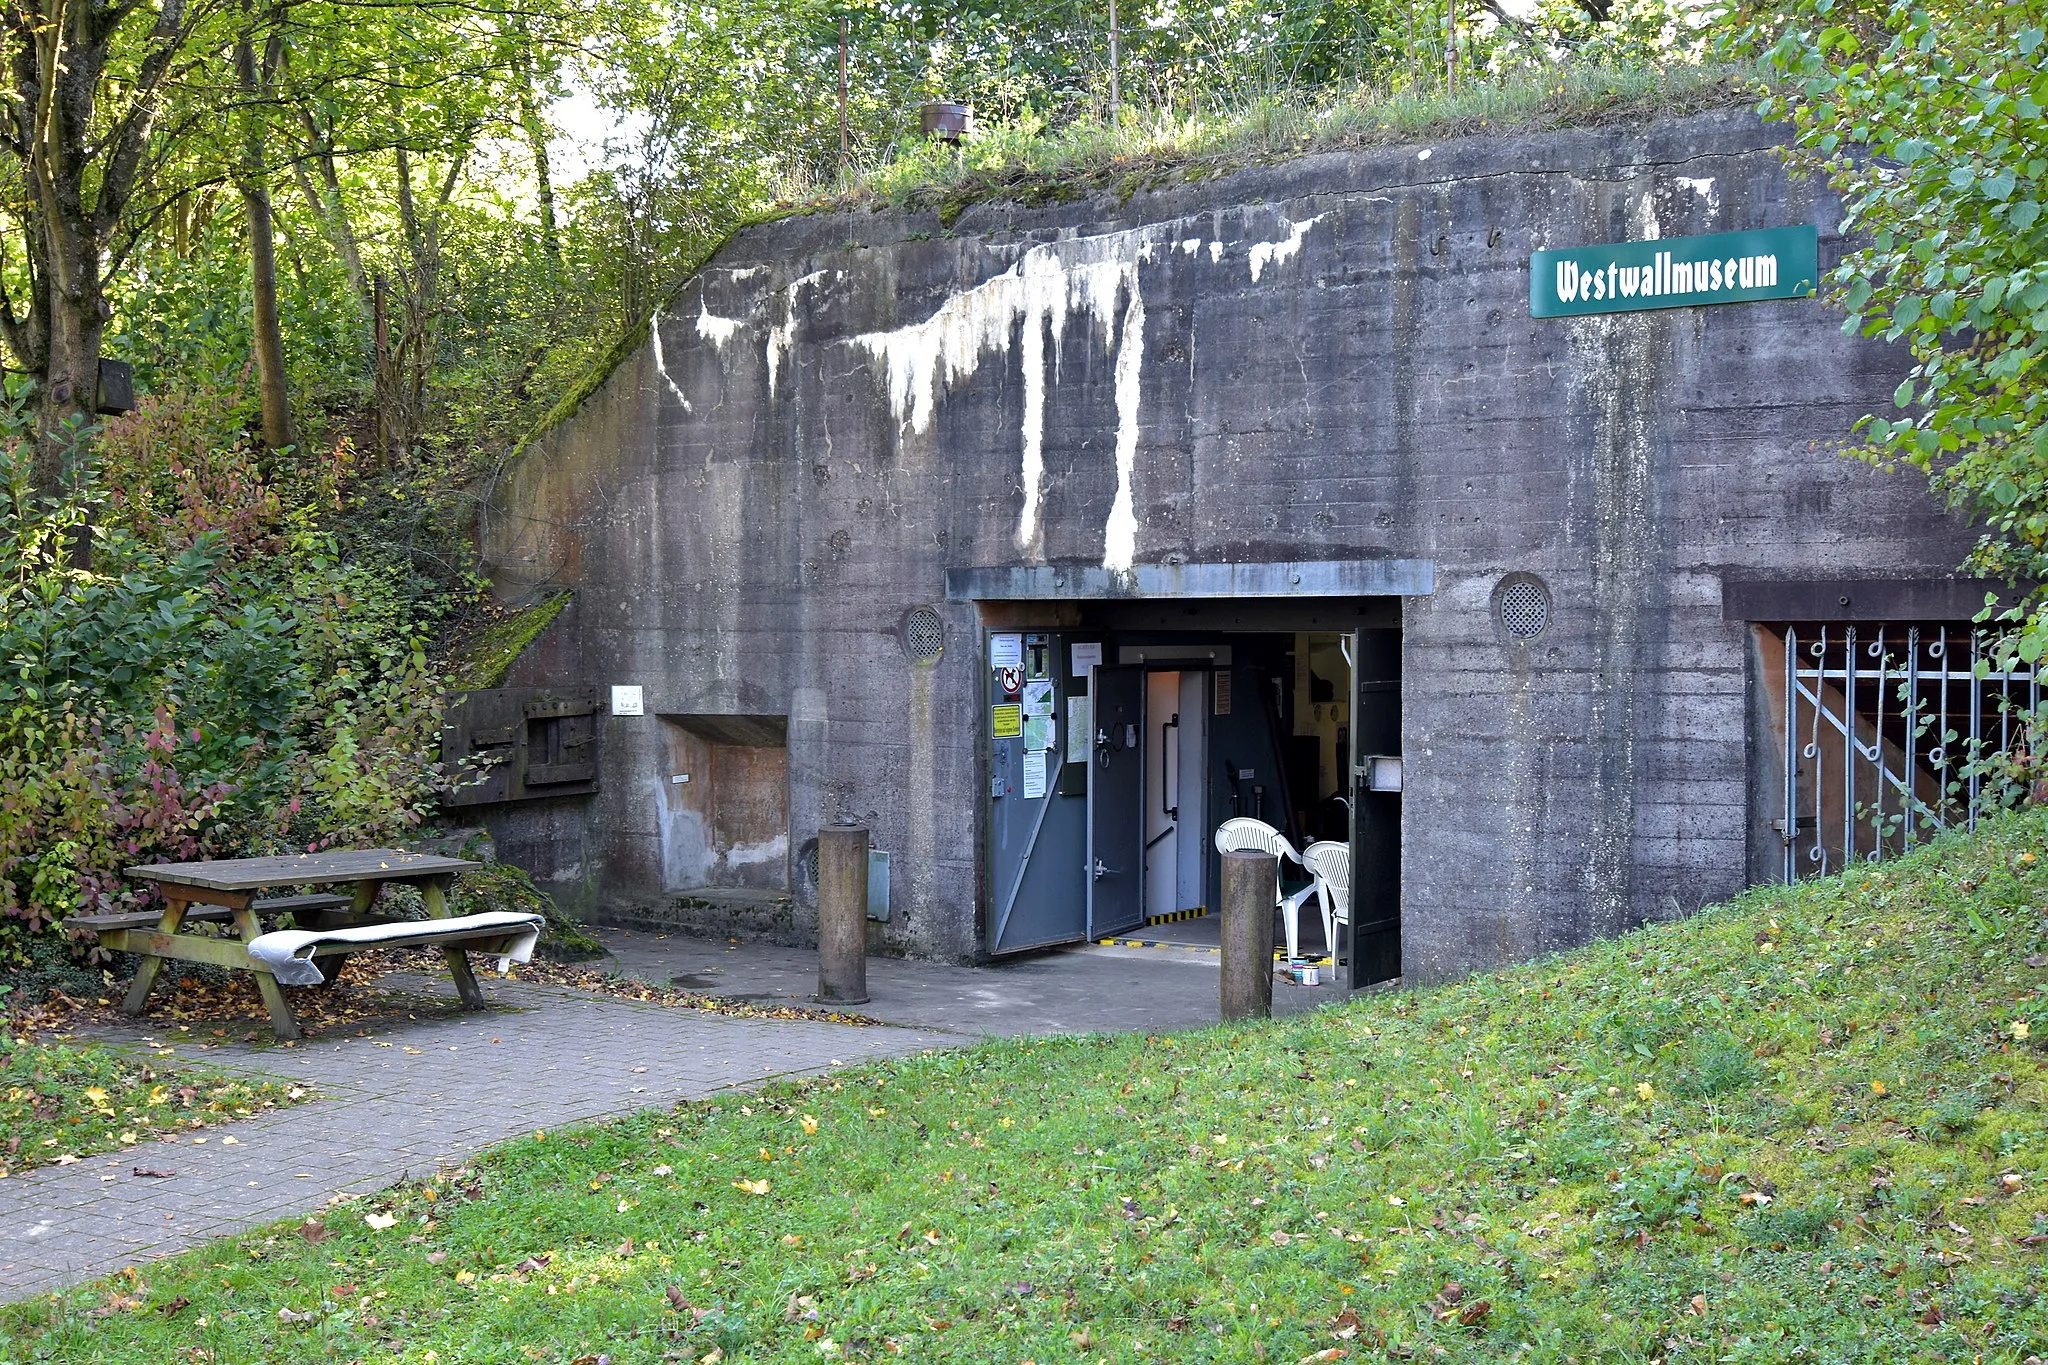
(1280, 1190)
(62, 1102)
(1928, 120)
(220, 680)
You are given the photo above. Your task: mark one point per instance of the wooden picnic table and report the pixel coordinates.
(232, 884)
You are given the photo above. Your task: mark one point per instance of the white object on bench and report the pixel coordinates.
(289, 953)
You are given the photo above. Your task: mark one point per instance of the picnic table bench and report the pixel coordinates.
(331, 926)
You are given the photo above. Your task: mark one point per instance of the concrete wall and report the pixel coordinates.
(1327, 359)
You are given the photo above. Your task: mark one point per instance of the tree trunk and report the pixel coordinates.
(68, 402)
(266, 336)
(537, 139)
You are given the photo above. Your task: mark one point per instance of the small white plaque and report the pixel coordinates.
(627, 701)
(1006, 651)
(1087, 655)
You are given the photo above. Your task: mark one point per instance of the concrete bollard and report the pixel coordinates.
(843, 915)
(1249, 883)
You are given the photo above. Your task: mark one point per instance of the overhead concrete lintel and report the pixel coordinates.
(1934, 596)
(1297, 578)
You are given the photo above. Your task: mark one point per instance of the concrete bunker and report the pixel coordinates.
(1203, 431)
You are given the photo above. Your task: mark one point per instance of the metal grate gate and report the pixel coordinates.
(1891, 733)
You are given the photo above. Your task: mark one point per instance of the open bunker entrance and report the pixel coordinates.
(1120, 732)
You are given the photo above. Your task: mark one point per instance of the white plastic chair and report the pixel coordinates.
(1242, 834)
(1330, 862)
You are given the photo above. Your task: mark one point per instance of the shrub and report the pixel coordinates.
(214, 680)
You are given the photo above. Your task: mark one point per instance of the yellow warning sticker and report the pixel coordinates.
(1006, 722)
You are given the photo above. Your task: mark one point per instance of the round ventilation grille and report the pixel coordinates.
(924, 634)
(1524, 608)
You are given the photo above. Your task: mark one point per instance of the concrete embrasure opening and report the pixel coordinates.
(724, 804)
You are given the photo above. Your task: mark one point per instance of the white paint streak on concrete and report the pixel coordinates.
(1215, 253)
(921, 360)
(1045, 303)
(1120, 532)
(1190, 245)
(1279, 253)
(782, 336)
(661, 362)
(1098, 275)
(712, 328)
(767, 851)
(1704, 187)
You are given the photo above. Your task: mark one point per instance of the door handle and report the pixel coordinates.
(1166, 785)
(1102, 871)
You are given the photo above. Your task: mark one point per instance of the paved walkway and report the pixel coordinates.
(419, 1094)
(1079, 990)
(404, 1100)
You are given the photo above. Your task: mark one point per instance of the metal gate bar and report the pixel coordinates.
(1888, 693)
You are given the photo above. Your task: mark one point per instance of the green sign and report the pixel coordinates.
(1678, 272)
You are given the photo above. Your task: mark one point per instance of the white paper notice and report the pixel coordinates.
(1006, 651)
(1086, 657)
(1034, 774)
(628, 701)
(1077, 729)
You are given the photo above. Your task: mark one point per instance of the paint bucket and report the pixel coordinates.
(1305, 973)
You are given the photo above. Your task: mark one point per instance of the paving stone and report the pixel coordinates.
(559, 1057)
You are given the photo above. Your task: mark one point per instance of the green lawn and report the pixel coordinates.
(59, 1102)
(1807, 1126)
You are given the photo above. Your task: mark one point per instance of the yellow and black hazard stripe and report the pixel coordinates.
(1177, 916)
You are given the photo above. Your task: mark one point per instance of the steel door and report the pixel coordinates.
(1116, 803)
(1375, 807)
(1036, 834)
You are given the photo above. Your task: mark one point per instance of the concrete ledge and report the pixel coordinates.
(1306, 578)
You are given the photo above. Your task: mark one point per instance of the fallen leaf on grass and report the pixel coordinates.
(436, 1257)
(287, 1315)
(1328, 1353)
(378, 1222)
(117, 1303)
(174, 1306)
(314, 1230)
(1475, 1314)
(1754, 1197)
(533, 1263)
(751, 1186)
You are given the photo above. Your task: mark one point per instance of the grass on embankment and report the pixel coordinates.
(1027, 163)
(61, 1102)
(1807, 1126)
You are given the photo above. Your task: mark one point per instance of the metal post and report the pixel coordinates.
(1115, 60)
(845, 140)
(1451, 47)
(1791, 829)
(1250, 887)
(1848, 747)
(843, 915)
